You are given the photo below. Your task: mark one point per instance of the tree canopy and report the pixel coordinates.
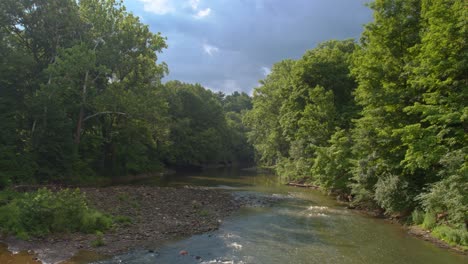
(82, 95)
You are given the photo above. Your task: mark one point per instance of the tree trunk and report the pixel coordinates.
(79, 124)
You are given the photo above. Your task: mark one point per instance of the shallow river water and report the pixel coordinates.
(303, 226)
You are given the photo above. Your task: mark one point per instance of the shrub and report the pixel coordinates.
(430, 220)
(417, 217)
(99, 241)
(450, 194)
(451, 235)
(42, 212)
(391, 193)
(7, 195)
(94, 220)
(123, 220)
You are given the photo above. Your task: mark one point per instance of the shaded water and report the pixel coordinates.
(304, 226)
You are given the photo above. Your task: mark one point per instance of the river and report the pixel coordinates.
(303, 226)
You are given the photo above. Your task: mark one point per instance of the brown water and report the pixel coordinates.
(7, 257)
(304, 226)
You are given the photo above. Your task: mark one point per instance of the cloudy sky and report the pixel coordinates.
(228, 45)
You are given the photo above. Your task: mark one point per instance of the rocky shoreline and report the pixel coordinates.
(149, 216)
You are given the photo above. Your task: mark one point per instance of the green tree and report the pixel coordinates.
(299, 106)
(265, 132)
(383, 92)
(438, 74)
(198, 126)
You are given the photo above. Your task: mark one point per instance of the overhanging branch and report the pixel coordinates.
(104, 113)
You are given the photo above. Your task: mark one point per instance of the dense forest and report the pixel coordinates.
(81, 95)
(382, 122)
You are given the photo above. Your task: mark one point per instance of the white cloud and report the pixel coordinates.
(230, 86)
(210, 49)
(162, 7)
(227, 86)
(203, 13)
(159, 7)
(266, 71)
(194, 4)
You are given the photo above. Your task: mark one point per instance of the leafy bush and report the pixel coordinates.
(451, 235)
(7, 195)
(331, 167)
(417, 217)
(391, 193)
(42, 212)
(290, 169)
(99, 241)
(450, 194)
(429, 221)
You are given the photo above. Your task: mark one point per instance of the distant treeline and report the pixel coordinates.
(81, 95)
(383, 122)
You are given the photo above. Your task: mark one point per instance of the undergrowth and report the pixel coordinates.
(43, 212)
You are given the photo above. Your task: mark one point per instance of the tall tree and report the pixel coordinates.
(383, 92)
(438, 74)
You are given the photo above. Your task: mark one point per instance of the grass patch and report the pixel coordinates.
(123, 197)
(203, 213)
(99, 241)
(123, 220)
(43, 212)
(131, 201)
(195, 204)
(453, 236)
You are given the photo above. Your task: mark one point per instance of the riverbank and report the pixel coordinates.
(148, 216)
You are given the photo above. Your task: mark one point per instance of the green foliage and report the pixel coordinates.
(417, 217)
(42, 212)
(99, 241)
(383, 92)
(201, 132)
(430, 220)
(391, 193)
(82, 96)
(451, 235)
(82, 91)
(236, 102)
(332, 163)
(450, 195)
(123, 220)
(265, 132)
(298, 106)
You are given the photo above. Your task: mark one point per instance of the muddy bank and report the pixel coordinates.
(150, 216)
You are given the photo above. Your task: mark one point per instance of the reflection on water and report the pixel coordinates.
(303, 226)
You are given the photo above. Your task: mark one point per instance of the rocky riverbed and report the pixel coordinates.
(149, 216)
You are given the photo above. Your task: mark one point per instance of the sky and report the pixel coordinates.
(229, 45)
